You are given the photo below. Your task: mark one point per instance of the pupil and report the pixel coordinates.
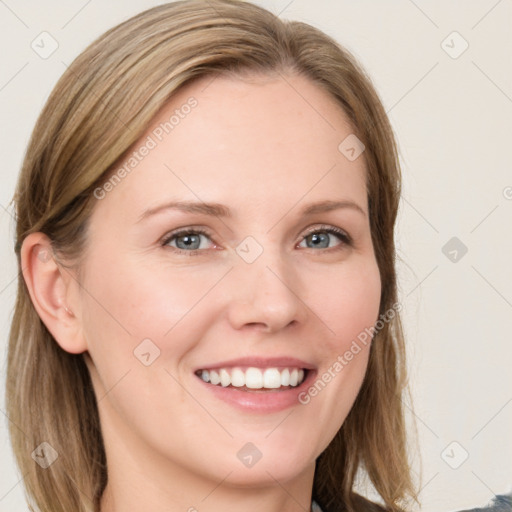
(189, 240)
(317, 239)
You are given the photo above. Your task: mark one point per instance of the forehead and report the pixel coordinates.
(250, 142)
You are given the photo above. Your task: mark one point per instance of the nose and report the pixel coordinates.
(266, 295)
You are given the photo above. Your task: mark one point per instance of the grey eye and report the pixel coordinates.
(189, 241)
(319, 240)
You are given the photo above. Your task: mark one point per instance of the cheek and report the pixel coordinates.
(349, 309)
(137, 302)
(128, 303)
(350, 304)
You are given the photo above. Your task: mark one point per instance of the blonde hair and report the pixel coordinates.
(99, 108)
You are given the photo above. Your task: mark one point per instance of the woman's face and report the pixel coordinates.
(250, 278)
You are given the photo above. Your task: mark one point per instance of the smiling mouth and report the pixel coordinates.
(254, 379)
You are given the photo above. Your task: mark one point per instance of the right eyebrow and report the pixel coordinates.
(212, 209)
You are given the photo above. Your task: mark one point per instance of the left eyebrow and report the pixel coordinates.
(220, 210)
(327, 206)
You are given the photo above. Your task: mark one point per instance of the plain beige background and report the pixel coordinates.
(443, 70)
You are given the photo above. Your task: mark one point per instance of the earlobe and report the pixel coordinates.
(50, 286)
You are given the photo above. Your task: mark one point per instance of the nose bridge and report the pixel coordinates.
(265, 287)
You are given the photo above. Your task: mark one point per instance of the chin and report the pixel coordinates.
(263, 475)
(263, 461)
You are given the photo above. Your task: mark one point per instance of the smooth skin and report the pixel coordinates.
(264, 147)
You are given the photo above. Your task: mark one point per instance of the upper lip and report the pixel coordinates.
(260, 362)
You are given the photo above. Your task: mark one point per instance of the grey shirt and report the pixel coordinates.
(500, 503)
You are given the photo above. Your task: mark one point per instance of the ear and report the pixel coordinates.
(52, 290)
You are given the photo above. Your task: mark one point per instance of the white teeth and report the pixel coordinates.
(254, 378)
(214, 377)
(271, 378)
(237, 378)
(225, 379)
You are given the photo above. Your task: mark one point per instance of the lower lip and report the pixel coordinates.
(260, 401)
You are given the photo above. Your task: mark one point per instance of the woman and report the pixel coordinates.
(266, 371)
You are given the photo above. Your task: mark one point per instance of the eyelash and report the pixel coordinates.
(344, 238)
